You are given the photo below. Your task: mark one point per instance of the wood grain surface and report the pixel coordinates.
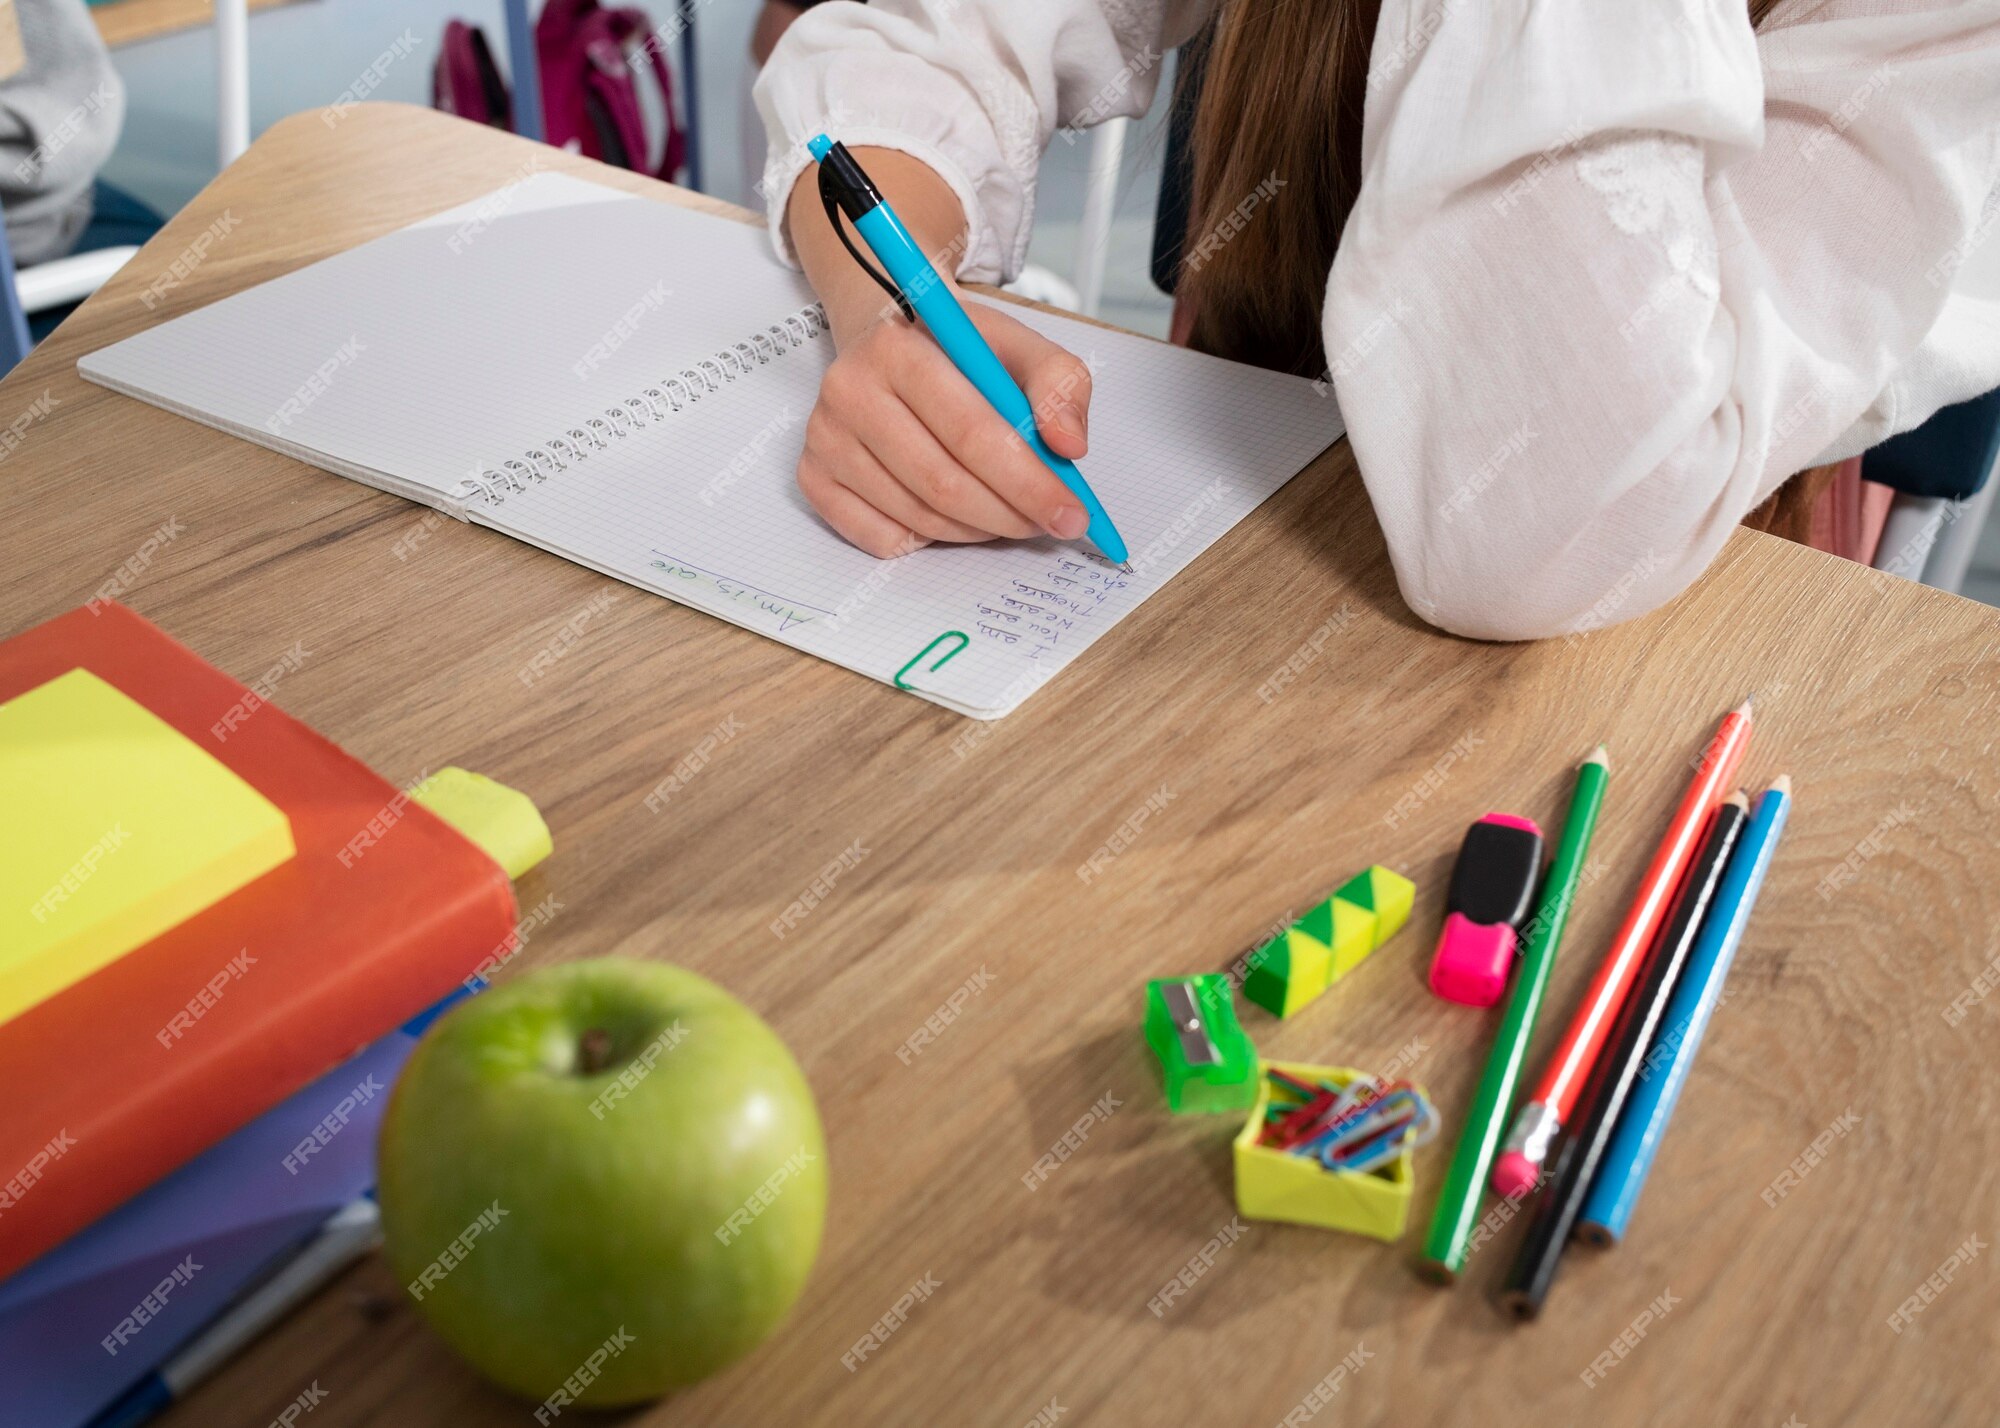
(126, 22)
(1775, 1268)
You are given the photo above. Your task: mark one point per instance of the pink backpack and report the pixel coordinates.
(596, 63)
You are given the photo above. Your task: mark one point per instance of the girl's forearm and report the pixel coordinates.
(925, 203)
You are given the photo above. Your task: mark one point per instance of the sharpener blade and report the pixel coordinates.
(1196, 1046)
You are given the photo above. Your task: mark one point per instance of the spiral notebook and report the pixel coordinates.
(625, 383)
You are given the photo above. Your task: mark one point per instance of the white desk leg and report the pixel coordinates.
(1951, 557)
(1100, 196)
(232, 79)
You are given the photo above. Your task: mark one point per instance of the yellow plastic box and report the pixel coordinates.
(1277, 1185)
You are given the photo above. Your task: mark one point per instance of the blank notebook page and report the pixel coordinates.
(626, 383)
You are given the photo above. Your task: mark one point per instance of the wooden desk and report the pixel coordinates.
(126, 22)
(1878, 696)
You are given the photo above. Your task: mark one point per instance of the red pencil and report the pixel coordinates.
(1555, 1098)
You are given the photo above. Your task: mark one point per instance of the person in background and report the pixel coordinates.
(60, 115)
(1592, 283)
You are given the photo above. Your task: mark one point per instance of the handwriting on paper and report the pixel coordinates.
(1042, 614)
(732, 591)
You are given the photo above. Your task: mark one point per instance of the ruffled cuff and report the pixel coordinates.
(981, 259)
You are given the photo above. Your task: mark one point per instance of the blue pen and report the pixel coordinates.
(920, 292)
(1622, 1175)
(348, 1234)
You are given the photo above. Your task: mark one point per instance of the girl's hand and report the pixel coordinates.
(901, 449)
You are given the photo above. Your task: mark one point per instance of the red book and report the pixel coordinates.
(383, 910)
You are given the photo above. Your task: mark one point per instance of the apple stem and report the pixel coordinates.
(594, 1051)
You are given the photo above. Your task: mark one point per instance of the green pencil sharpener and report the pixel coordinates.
(1207, 1062)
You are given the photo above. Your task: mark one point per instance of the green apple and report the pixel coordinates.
(602, 1181)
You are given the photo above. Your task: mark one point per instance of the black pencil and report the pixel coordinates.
(1534, 1269)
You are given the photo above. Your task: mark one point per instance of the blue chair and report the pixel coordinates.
(34, 300)
(13, 318)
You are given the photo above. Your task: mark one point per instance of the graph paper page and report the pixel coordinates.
(623, 377)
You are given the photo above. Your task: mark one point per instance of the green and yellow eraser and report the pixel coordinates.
(1330, 941)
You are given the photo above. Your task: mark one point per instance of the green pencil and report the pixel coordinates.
(1486, 1121)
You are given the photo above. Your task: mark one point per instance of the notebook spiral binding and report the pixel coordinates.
(653, 404)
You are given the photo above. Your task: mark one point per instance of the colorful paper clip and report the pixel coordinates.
(1400, 1122)
(1356, 1128)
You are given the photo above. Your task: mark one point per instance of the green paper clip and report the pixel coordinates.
(959, 635)
(1207, 1062)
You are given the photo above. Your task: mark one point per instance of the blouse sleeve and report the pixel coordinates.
(976, 89)
(1616, 271)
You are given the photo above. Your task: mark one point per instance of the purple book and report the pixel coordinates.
(99, 1312)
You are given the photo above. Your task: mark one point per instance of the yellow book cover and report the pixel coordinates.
(117, 827)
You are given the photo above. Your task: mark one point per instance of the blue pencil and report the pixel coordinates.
(1621, 1178)
(348, 1234)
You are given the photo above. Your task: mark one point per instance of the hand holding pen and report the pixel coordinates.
(904, 446)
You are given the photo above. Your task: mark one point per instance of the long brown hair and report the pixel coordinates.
(1281, 77)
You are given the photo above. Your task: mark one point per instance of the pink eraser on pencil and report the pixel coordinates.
(1473, 961)
(1514, 1175)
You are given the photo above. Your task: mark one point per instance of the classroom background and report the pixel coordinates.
(1870, 689)
(304, 54)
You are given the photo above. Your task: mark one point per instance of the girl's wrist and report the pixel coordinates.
(854, 308)
(854, 301)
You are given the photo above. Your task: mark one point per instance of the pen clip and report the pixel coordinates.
(828, 193)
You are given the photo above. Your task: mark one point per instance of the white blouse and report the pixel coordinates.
(1614, 272)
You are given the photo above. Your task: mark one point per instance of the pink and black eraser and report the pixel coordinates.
(1492, 885)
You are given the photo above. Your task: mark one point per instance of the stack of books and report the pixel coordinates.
(220, 936)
